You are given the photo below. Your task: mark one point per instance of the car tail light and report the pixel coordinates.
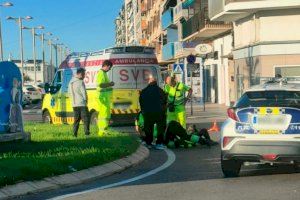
(270, 156)
(231, 114)
(227, 140)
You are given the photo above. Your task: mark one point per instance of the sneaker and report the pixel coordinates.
(159, 147)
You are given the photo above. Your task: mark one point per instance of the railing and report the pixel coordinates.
(192, 25)
(167, 18)
(168, 51)
(197, 22)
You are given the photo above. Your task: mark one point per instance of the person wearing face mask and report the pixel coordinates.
(77, 92)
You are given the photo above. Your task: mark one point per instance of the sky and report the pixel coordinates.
(83, 25)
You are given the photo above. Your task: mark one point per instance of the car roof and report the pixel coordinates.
(275, 86)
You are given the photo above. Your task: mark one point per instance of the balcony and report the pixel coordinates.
(233, 10)
(179, 12)
(199, 26)
(167, 19)
(168, 51)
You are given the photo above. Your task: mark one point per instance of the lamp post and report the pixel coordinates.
(34, 49)
(19, 21)
(55, 47)
(7, 4)
(45, 70)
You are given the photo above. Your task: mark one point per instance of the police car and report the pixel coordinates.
(263, 127)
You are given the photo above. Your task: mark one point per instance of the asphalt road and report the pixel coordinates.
(195, 174)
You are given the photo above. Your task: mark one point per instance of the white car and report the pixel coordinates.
(32, 92)
(263, 127)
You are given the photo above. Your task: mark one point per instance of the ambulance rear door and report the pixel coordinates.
(129, 80)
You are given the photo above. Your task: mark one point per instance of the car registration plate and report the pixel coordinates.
(269, 132)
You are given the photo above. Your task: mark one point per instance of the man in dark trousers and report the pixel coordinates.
(153, 107)
(78, 95)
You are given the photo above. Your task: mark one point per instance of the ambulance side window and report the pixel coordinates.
(68, 74)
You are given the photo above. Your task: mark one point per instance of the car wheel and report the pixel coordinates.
(231, 168)
(94, 118)
(47, 118)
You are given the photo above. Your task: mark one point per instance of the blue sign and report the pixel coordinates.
(178, 68)
(191, 59)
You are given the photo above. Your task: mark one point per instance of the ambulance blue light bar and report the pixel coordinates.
(131, 49)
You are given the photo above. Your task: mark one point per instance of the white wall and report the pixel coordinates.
(280, 28)
(245, 32)
(268, 26)
(222, 65)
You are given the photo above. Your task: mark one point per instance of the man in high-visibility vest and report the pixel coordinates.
(176, 100)
(104, 97)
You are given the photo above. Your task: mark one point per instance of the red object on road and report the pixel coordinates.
(214, 128)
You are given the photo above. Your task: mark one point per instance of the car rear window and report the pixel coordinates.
(270, 99)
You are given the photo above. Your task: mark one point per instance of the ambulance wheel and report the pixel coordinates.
(231, 168)
(94, 118)
(47, 118)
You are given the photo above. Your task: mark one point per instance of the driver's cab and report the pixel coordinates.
(56, 105)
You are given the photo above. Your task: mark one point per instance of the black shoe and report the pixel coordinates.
(213, 143)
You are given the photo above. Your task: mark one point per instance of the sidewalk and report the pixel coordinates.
(212, 112)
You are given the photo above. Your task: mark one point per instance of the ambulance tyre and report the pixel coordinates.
(231, 168)
(93, 118)
(47, 118)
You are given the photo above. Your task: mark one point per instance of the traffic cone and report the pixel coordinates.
(214, 127)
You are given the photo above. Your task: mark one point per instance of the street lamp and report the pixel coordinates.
(33, 44)
(19, 21)
(50, 56)
(6, 4)
(60, 49)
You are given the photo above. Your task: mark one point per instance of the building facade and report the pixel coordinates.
(266, 39)
(44, 74)
(131, 23)
(120, 34)
(186, 25)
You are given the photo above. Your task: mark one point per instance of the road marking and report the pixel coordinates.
(171, 159)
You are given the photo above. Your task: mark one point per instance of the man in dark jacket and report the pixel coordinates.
(153, 107)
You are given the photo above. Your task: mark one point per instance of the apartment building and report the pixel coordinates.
(266, 38)
(131, 23)
(185, 25)
(120, 34)
(153, 32)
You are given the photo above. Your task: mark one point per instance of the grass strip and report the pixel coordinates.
(53, 151)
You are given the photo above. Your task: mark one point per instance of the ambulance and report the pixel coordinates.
(132, 66)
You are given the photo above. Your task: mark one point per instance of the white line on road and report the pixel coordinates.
(171, 159)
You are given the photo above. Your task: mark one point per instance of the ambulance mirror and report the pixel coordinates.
(47, 88)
